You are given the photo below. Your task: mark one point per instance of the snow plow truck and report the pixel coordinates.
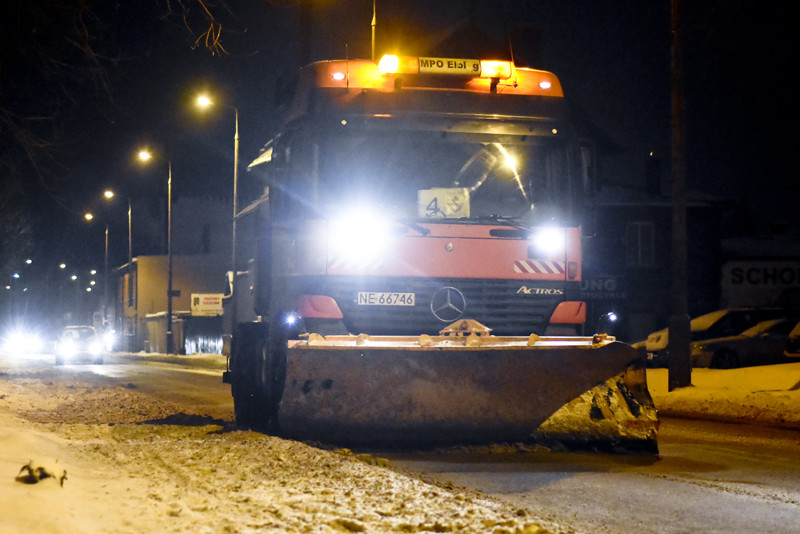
(408, 273)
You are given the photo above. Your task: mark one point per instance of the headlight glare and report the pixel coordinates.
(108, 341)
(67, 348)
(548, 241)
(359, 238)
(22, 342)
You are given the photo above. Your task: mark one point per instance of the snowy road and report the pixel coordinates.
(708, 477)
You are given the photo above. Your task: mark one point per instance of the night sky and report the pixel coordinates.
(612, 58)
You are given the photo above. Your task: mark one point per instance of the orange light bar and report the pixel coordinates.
(389, 64)
(496, 69)
(392, 64)
(481, 75)
(344, 73)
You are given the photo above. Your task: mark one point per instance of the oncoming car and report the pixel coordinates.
(79, 343)
(762, 344)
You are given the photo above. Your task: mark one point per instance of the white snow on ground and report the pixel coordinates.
(139, 465)
(765, 395)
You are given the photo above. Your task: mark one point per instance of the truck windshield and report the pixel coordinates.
(434, 174)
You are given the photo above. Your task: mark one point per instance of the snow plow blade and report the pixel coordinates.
(467, 387)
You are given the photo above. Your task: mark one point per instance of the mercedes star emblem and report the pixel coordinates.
(448, 304)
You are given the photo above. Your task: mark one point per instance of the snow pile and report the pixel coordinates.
(767, 395)
(137, 464)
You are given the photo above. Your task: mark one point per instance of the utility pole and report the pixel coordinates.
(680, 370)
(233, 224)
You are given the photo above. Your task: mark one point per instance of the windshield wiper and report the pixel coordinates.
(421, 230)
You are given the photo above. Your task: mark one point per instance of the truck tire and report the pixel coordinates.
(249, 396)
(270, 377)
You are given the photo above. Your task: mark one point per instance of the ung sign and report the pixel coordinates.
(758, 282)
(206, 304)
(602, 288)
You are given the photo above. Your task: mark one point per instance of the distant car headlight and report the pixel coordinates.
(108, 341)
(67, 348)
(22, 342)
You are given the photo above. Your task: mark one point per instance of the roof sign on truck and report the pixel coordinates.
(391, 64)
(441, 65)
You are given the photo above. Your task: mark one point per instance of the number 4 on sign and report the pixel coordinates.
(433, 208)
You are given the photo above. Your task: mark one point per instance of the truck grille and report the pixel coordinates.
(497, 304)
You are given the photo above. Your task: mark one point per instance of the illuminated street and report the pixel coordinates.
(709, 477)
(458, 238)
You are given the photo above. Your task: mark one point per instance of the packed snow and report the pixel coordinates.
(135, 464)
(768, 395)
(124, 462)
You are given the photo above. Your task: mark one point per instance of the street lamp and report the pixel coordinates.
(145, 156)
(204, 101)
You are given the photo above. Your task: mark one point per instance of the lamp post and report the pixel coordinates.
(89, 216)
(108, 195)
(204, 101)
(145, 155)
(170, 339)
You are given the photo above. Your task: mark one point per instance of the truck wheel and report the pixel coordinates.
(249, 397)
(725, 359)
(268, 381)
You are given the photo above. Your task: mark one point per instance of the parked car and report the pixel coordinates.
(719, 323)
(79, 343)
(792, 351)
(762, 344)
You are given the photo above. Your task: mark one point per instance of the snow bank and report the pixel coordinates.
(767, 395)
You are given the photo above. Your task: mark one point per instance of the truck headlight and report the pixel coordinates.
(547, 241)
(358, 238)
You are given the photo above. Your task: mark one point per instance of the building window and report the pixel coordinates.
(639, 244)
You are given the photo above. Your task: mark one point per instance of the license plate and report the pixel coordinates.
(377, 298)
